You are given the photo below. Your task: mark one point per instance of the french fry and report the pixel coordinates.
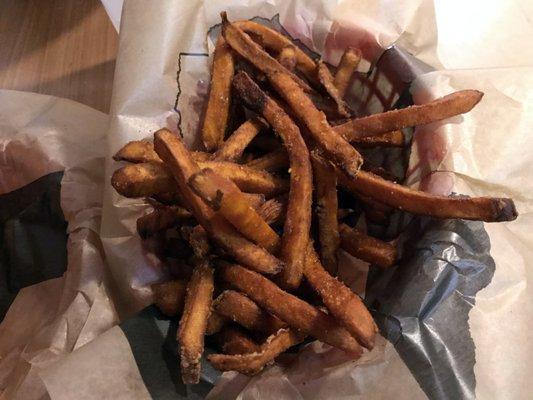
(273, 211)
(327, 81)
(137, 151)
(242, 44)
(233, 147)
(148, 179)
(276, 41)
(341, 302)
(298, 216)
(234, 341)
(215, 323)
(169, 296)
(346, 69)
(198, 240)
(367, 248)
(253, 363)
(271, 162)
(387, 139)
(240, 309)
(287, 57)
(160, 219)
(193, 322)
(444, 107)
(488, 209)
(333, 144)
(140, 180)
(223, 196)
(170, 148)
(218, 105)
(248, 179)
(293, 311)
(326, 210)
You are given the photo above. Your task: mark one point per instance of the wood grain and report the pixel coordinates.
(65, 48)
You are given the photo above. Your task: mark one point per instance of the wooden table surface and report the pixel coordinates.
(65, 48)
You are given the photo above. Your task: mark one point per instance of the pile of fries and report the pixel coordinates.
(240, 213)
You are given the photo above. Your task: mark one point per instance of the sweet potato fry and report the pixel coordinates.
(295, 312)
(326, 210)
(387, 139)
(327, 81)
(233, 147)
(160, 219)
(488, 209)
(169, 296)
(273, 211)
(285, 84)
(341, 302)
(245, 312)
(253, 363)
(193, 322)
(215, 323)
(346, 69)
(242, 44)
(444, 107)
(198, 240)
(298, 216)
(223, 196)
(148, 179)
(145, 179)
(218, 105)
(326, 138)
(248, 179)
(234, 341)
(171, 149)
(273, 161)
(276, 41)
(137, 151)
(367, 248)
(287, 57)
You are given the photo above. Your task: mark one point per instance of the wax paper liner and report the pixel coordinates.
(438, 351)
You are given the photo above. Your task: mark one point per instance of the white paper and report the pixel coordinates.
(487, 149)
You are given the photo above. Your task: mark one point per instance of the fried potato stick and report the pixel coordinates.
(298, 216)
(193, 322)
(295, 312)
(218, 104)
(341, 302)
(253, 363)
(271, 162)
(367, 248)
(346, 69)
(171, 149)
(326, 210)
(140, 180)
(223, 196)
(169, 296)
(148, 179)
(327, 81)
(160, 219)
(233, 147)
(274, 40)
(142, 151)
(215, 323)
(234, 341)
(444, 107)
(248, 179)
(334, 144)
(488, 209)
(137, 151)
(387, 139)
(273, 211)
(287, 57)
(240, 309)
